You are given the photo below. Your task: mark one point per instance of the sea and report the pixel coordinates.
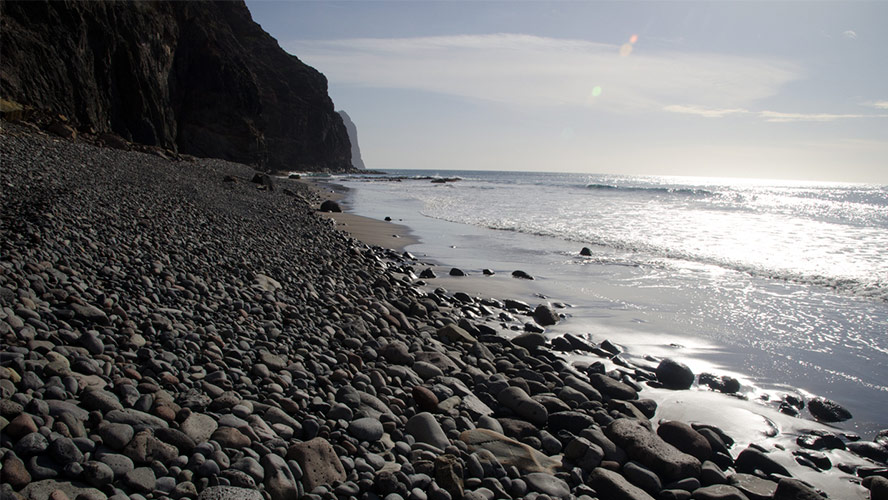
(781, 284)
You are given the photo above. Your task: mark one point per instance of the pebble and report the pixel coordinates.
(366, 429)
(235, 346)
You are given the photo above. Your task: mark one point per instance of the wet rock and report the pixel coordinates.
(827, 410)
(319, 462)
(754, 487)
(869, 449)
(685, 438)
(330, 206)
(650, 450)
(457, 272)
(521, 275)
(725, 384)
(793, 489)
(674, 375)
(710, 474)
(530, 341)
(642, 477)
(612, 388)
(821, 442)
(878, 487)
(544, 315)
(586, 252)
(752, 459)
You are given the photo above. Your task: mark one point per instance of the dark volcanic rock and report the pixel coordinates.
(650, 450)
(330, 206)
(198, 77)
(827, 410)
(612, 485)
(674, 375)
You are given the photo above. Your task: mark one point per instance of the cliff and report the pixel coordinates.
(352, 130)
(197, 77)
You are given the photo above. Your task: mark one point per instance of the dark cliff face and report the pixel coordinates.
(198, 77)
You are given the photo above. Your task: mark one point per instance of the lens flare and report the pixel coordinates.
(596, 91)
(626, 48)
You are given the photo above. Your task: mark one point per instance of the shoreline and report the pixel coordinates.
(371, 231)
(176, 330)
(762, 425)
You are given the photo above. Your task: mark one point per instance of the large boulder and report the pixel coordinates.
(685, 438)
(508, 451)
(612, 485)
(544, 315)
(674, 375)
(319, 463)
(827, 410)
(330, 206)
(650, 450)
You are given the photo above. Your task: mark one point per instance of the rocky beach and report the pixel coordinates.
(173, 329)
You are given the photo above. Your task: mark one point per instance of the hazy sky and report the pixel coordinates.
(747, 89)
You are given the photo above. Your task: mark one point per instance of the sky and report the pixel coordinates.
(787, 90)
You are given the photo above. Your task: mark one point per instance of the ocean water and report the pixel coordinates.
(783, 284)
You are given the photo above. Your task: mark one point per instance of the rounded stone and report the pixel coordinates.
(366, 429)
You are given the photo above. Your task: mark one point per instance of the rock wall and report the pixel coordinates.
(356, 159)
(197, 77)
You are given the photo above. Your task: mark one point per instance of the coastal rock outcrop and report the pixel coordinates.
(352, 130)
(195, 77)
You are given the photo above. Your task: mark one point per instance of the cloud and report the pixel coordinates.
(772, 116)
(877, 104)
(704, 112)
(529, 71)
(766, 115)
(850, 34)
(778, 117)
